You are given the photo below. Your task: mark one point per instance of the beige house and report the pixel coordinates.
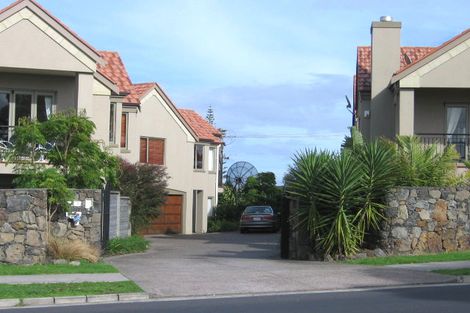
(423, 91)
(47, 68)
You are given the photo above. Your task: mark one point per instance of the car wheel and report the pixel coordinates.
(242, 230)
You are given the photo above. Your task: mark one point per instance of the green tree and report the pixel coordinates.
(59, 154)
(145, 185)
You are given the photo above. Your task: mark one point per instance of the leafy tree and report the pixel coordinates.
(145, 185)
(210, 115)
(59, 154)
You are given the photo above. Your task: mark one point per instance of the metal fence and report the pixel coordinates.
(461, 142)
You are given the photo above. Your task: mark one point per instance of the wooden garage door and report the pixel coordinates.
(169, 220)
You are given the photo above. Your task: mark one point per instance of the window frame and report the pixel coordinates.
(147, 149)
(195, 163)
(112, 126)
(126, 137)
(212, 165)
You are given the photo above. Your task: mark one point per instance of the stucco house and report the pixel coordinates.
(422, 91)
(45, 68)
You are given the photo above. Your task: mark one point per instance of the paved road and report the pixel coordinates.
(442, 299)
(233, 263)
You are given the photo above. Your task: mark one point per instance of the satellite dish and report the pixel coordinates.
(238, 174)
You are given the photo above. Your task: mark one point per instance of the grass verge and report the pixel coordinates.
(410, 259)
(66, 289)
(132, 244)
(456, 272)
(83, 268)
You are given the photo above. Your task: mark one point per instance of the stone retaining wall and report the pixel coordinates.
(23, 226)
(23, 223)
(426, 220)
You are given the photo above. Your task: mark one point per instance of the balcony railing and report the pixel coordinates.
(461, 142)
(7, 143)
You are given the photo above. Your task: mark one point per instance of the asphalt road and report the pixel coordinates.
(428, 299)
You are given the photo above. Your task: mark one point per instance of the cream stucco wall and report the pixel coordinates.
(430, 108)
(155, 119)
(24, 45)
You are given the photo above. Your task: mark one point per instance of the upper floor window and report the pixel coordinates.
(15, 105)
(211, 158)
(124, 129)
(198, 157)
(152, 150)
(112, 123)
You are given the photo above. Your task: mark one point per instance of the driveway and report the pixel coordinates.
(233, 263)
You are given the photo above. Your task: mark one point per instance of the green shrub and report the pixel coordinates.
(145, 185)
(341, 195)
(132, 244)
(216, 225)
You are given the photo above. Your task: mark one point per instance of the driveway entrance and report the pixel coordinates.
(233, 263)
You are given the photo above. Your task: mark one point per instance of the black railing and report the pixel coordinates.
(461, 142)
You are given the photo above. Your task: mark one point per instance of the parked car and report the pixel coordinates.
(258, 217)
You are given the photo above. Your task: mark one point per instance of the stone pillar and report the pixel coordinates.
(406, 112)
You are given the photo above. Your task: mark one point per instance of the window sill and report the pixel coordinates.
(212, 172)
(199, 170)
(113, 145)
(125, 150)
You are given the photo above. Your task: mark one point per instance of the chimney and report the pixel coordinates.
(385, 62)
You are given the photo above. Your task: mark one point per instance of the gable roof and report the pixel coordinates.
(61, 27)
(408, 57)
(203, 129)
(438, 51)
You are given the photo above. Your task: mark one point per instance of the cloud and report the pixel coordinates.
(268, 124)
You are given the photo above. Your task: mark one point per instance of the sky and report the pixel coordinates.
(275, 72)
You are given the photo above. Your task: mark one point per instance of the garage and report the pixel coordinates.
(169, 221)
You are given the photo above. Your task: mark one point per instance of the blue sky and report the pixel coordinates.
(275, 72)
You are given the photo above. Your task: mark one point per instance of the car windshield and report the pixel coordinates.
(258, 210)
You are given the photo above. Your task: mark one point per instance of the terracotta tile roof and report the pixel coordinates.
(137, 91)
(114, 69)
(408, 56)
(202, 128)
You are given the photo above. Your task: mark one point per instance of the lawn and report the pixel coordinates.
(66, 289)
(456, 272)
(83, 268)
(410, 259)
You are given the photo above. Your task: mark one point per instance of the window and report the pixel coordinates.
(152, 150)
(198, 157)
(16, 105)
(210, 206)
(112, 123)
(211, 159)
(4, 115)
(43, 107)
(23, 103)
(124, 127)
(457, 128)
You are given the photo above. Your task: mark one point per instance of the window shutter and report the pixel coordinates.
(156, 151)
(143, 150)
(123, 130)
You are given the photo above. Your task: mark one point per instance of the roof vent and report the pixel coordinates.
(386, 18)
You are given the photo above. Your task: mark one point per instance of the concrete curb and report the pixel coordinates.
(92, 299)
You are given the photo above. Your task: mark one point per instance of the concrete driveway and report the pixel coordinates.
(233, 263)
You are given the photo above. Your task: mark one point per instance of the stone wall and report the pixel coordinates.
(23, 223)
(87, 201)
(426, 220)
(23, 226)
